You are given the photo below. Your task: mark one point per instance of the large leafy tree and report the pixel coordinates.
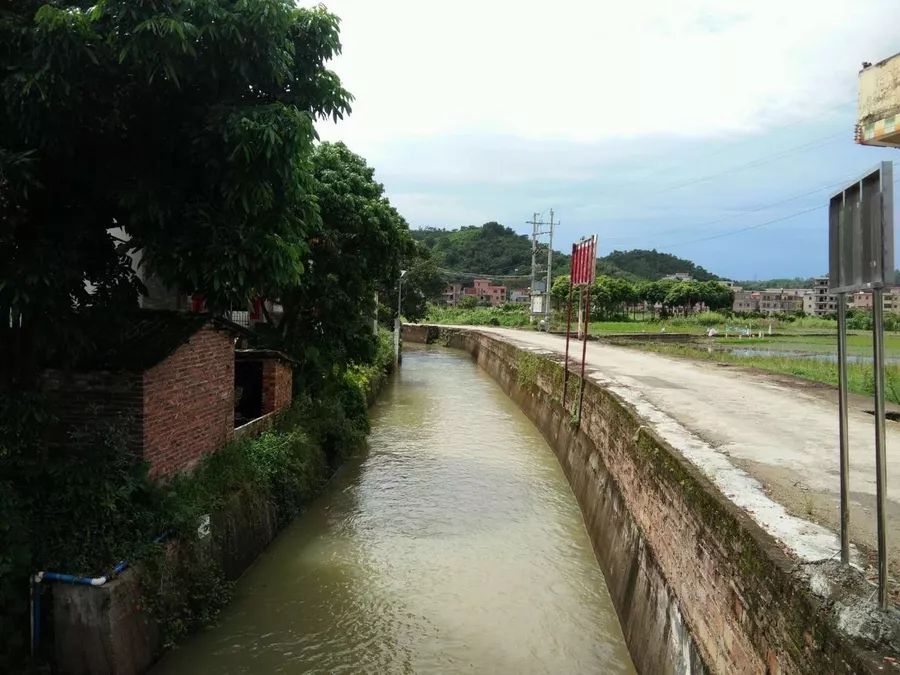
(189, 123)
(422, 284)
(354, 249)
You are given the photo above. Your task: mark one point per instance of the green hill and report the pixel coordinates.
(654, 265)
(492, 249)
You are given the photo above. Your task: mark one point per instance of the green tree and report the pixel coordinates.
(354, 248)
(423, 283)
(559, 291)
(685, 294)
(609, 295)
(467, 302)
(188, 124)
(717, 296)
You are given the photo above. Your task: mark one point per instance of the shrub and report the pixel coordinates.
(81, 512)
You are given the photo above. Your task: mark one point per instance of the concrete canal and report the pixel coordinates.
(453, 544)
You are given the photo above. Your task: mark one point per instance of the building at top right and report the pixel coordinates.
(878, 118)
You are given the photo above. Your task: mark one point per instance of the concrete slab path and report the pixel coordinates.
(780, 431)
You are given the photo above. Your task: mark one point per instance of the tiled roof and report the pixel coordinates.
(148, 337)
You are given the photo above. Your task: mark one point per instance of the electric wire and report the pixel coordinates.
(730, 233)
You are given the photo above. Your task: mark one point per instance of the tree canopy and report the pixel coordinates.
(189, 124)
(611, 295)
(354, 248)
(492, 249)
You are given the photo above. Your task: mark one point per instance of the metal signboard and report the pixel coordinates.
(861, 233)
(584, 261)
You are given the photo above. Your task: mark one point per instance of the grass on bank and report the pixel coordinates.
(859, 375)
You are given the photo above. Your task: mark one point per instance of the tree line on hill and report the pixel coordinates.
(611, 296)
(492, 249)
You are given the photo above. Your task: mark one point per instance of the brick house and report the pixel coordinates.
(263, 380)
(168, 380)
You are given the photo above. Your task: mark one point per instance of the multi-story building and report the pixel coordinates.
(825, 300)
(746, 302)
(780, 301)
(890, 299)
(484, 292)
(809, 301)
(519, 296)
(774, 301)
(451, 294)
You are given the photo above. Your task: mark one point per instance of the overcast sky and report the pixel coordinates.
(682, 125)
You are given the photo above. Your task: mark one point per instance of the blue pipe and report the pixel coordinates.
(39, 577)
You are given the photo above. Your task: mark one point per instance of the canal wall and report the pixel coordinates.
(697, 584)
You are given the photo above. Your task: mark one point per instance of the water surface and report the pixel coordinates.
(453, 544)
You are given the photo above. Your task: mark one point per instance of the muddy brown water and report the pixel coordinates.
(453, 543)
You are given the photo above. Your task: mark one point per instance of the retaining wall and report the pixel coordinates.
(697, 584)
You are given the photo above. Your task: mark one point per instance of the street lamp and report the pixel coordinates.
(397, 320)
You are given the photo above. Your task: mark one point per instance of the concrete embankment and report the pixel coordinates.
(697, 583)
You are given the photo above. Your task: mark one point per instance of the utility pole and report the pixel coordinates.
(534, 230)
(549, 266)
(537, 230)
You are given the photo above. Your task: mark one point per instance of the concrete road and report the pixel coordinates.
(738, 425)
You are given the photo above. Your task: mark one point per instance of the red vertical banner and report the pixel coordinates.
(579, 255)
(584, 261)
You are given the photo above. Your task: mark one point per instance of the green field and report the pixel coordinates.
(859, 375)
(790, 350)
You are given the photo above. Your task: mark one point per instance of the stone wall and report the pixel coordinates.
(189, 402)
(697, 584)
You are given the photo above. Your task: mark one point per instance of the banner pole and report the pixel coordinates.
(587, 323)
(568, 332)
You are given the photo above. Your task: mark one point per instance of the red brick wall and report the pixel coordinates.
(189, 403)
(80, 399)
(277, 385)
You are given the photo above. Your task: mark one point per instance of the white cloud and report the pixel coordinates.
(597, 70)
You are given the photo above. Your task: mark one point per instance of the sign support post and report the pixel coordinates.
(880, 472)
(842, 423)
(861, 257)
(584, 269)
(568, 333)
(587, 321)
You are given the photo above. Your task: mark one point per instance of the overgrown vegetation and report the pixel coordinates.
(82, 512)
(509, 315)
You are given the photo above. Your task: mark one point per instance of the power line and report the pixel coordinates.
(730, 147)
(754, 163)
(751, 227)
(744, 212)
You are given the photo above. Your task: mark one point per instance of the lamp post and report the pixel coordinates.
(397, 320)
